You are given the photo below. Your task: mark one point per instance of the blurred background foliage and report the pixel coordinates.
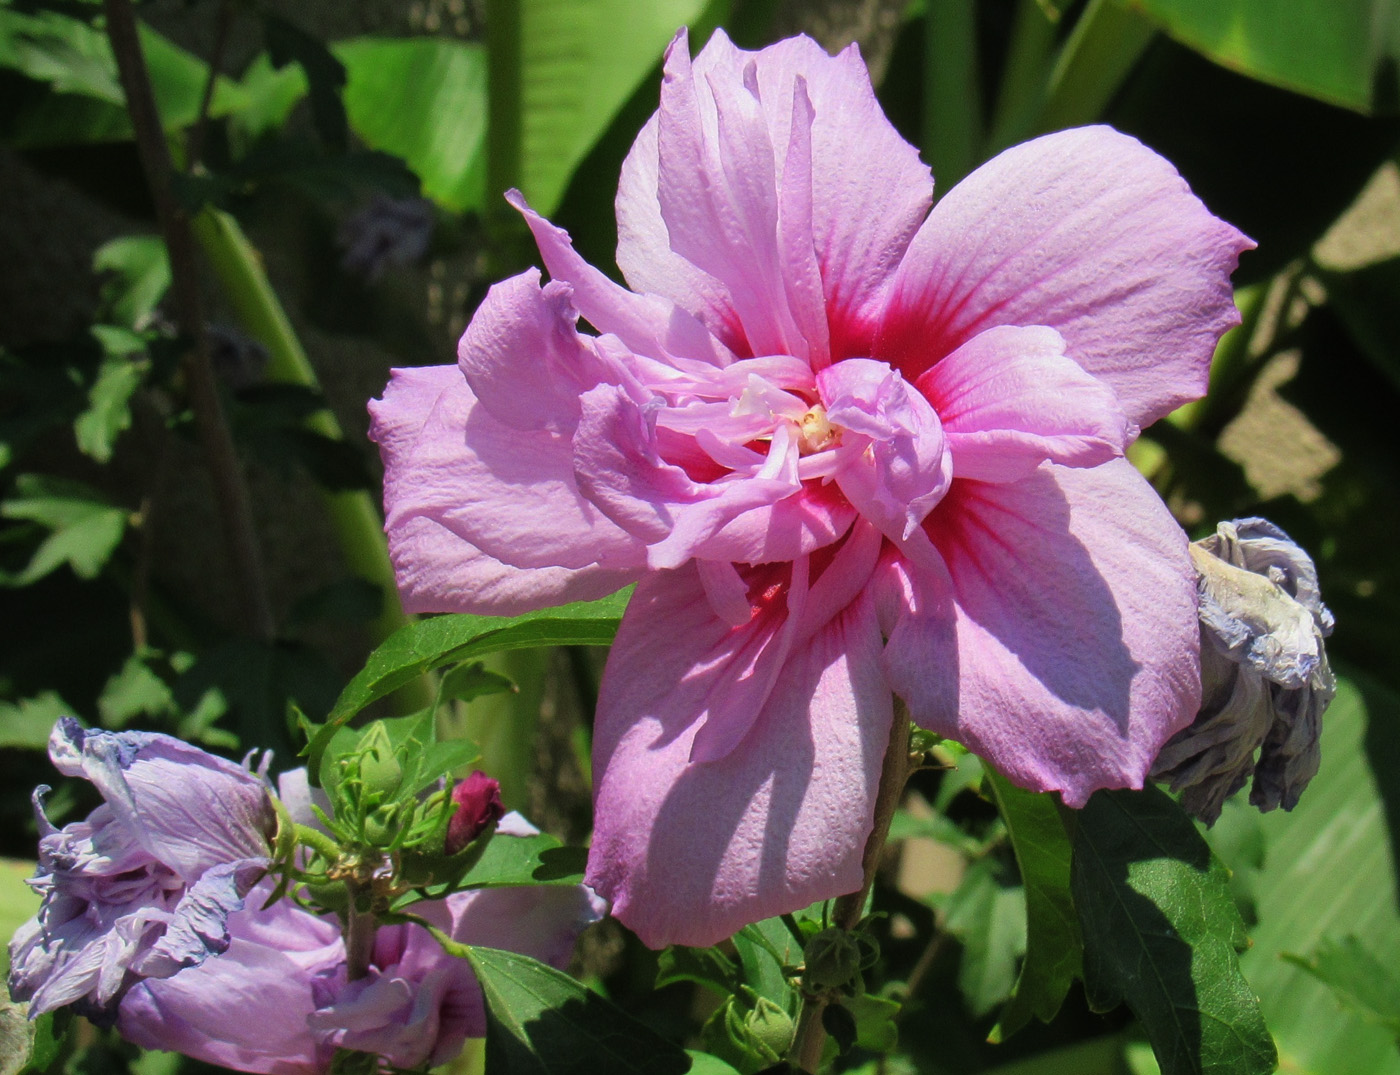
(343, 165)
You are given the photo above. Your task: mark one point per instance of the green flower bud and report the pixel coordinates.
(382, 826)
(770, 1027)
(380, 770)
(833, 960)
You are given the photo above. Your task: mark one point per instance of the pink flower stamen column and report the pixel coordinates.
(848, 448)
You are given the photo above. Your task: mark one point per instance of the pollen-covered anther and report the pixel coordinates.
(818, 434)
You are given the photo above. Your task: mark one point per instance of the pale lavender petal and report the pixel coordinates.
(1077, 644)
(449, 461)
(862, 217)
(1009, 400)
(812, 518)
(523, 357)
(689, 852)
(618, 466)
(247, 1009)
(898, 467)
(1087, 232)
(438, 571)
(915, 607)
(648, 324)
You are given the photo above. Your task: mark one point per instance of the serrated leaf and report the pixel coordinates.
(875, 1022)
(325, 75)
(705, 966)
(1161, 933)
(85, 528)
(431, 644)
(108, 412)
(135, 691)
(539, 1021)
(1359, 980)
(989, 918)
(1053, 946)
(527, 860)
(26, 724)
(140, 276)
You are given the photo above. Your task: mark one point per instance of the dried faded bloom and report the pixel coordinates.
(1264, 673)
(144, 886)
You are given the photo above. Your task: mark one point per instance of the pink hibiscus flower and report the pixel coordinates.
(847, 448)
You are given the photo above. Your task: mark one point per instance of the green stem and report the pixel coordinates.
(810, 1036)
(1106, 43)
(952, 134)
(319, 842)
(360, 927)
(505, 99)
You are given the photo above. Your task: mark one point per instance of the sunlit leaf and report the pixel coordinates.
(84, 528)
(1343, 51)
(989, 918)
(1329, 871)
(26, 723)
(1360, 981)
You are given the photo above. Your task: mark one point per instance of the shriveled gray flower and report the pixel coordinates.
(1265, 680)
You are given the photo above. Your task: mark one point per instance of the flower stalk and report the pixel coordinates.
(810, 1036)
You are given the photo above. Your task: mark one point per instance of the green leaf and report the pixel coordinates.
(1343, 51)
(875, 1022)
(527, 860)
(705, 966)
(1360, 981)
(26, 723)
(559, 72)
(18, 902)
(1368, 302)
(84, 528)
(765, 948)
(108, 413)
(135, 691)
(140, 276)
(989, 918)
(539, 1021)
(1329, 870)
(1161, 932)
(473, 680)
(705, 1064)
(422, 99)
(431, 644)
(325, 75)
(1053, 946)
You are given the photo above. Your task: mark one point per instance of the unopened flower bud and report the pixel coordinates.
(1265, 680)
(833, 959)
(478, 800)
(380, 770)
(769, 1026)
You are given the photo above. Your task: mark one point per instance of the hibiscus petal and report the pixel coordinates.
(862, 217)
(523, 356)
(689, 852)
(1077, 642)
(1090, 233)
(1009, 400)
(618, 467)
(447, 460)
(647, 324)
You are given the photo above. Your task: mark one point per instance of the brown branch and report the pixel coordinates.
(229, 486)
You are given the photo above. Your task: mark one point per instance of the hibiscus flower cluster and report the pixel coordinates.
(160, 916)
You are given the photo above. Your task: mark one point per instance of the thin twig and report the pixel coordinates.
(230, 489)
(810, 1037)
(223, 20)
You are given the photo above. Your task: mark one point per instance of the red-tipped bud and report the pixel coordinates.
(478, 800)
